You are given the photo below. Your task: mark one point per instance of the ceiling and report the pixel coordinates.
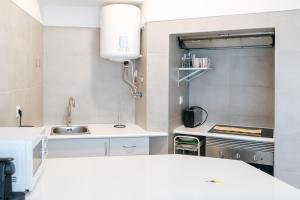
(72, 2)
(86, 2)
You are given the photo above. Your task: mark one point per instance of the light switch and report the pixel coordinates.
(180, 100)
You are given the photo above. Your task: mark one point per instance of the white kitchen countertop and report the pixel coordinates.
(23, 133)
(162, 177)
(108, 131)
(203, 131)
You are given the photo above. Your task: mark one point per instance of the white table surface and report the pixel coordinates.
(162, 177)
(203, 131)
(108, 131)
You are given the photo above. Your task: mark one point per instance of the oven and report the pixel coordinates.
(257, 154)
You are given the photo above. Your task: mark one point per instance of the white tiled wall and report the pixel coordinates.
(73, 67)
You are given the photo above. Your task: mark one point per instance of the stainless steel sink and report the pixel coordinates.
(70, 130)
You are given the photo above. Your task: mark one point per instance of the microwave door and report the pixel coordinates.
(37, 157)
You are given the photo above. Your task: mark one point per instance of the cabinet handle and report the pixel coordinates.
(129, 147)
(105, 148)
(44, 152)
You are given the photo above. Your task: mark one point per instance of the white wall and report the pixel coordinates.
(86, 14)
(71, 16)
(157, 10)
(73, 67)
(32, 7)
(74, 14)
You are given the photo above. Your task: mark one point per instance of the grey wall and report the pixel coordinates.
(73, 67)
(175, 109)
(140, 104)
(287, 98)
(240, 88)
(21, 66)
(158, 145)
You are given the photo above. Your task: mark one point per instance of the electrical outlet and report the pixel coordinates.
(17, 111)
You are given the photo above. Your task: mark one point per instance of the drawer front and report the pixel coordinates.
(129, 146)
(66, 148)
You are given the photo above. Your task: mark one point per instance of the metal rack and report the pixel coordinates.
(192, 73)
(187, 144)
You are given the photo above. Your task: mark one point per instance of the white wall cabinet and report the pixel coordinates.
(64, 148)
(129, 146)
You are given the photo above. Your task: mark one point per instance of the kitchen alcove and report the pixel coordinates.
(238, 87)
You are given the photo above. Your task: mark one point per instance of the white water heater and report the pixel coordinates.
(120, 32)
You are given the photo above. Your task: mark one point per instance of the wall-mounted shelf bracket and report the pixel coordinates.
(190, 74)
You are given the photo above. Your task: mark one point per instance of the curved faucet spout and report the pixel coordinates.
(71, 104)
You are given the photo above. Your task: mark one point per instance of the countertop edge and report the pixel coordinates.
(204, 132)
(95, 136)
(98, 131)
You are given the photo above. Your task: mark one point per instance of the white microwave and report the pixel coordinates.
(27, 146)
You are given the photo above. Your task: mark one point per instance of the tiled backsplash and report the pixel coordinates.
(240, 88)
(21, 66)
(73, 67)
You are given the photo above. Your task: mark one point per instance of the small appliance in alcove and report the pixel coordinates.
(193, 116)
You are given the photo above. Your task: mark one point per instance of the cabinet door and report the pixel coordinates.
(129, 146)
(64, 148)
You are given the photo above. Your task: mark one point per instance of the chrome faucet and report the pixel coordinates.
(71, 104)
